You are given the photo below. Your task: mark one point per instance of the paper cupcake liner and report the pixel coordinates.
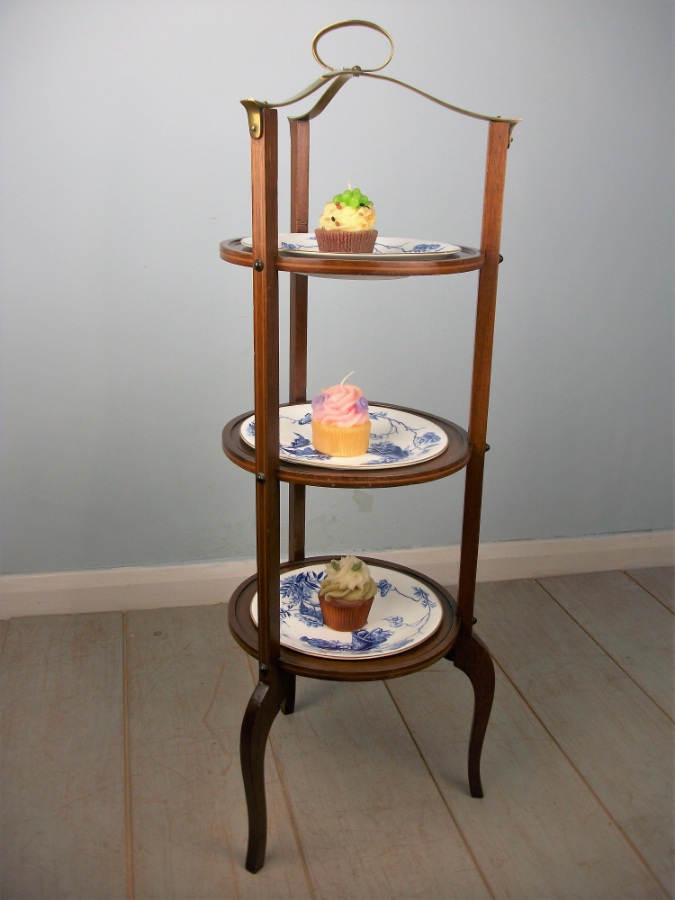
(351, 617)
(345, 241)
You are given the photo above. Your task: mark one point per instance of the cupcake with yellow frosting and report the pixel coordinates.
(340, 420)
(347, 224)
(346, 594)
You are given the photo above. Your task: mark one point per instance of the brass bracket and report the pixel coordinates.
(254, 112)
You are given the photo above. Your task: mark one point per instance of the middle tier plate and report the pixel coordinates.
(397, 438)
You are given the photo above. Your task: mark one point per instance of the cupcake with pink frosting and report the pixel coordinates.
(340, 420)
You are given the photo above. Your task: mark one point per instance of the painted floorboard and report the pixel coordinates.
(659, 581)
(188, 687)
(538, 832)
(577, 764)
(607, 605)
(62, 826)
(620, 742)
(371, 822)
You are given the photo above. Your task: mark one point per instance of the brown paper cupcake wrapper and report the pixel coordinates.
(345, 241)
(345, 618)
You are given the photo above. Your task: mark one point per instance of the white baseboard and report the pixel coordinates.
(506, 560)
(105, 590)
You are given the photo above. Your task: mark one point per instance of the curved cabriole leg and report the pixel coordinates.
(471, 656)
(266, 701)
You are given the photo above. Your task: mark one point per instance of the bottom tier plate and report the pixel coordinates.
(406, 612)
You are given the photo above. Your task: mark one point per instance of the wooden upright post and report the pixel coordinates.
(272, 688)
(264, 165)
(297, 387)
(495, 175)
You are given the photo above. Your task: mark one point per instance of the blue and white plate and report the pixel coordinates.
(385, 246)
(405, 612)
(397, 438)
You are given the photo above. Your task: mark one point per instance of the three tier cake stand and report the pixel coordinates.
(440, 626)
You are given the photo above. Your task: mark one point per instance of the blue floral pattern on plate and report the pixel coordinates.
(397, 438)
(387, 246)
(405, 612)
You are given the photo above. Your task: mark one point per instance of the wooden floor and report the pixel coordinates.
(120, 772)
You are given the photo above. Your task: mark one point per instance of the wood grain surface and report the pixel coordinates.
(616, 737)
(188, 688)
(62, 815)
(120, 771)
(659, 581)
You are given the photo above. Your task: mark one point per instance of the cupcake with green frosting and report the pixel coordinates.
(346, 594)
(347, 224)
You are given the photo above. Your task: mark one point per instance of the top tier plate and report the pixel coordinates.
(397, 258)
(391, 247)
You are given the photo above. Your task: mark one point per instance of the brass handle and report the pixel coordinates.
(346, 24)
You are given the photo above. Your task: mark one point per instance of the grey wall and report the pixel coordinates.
(127, 344)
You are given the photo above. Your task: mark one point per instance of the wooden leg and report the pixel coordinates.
(266, 701)
(288, 703)
(471, 656)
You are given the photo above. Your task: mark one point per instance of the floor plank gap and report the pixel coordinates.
(595, 713)
(612, 656)
(580, 774)
(127, 765)
(292, 819)
(440, 791)
(659, 582)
